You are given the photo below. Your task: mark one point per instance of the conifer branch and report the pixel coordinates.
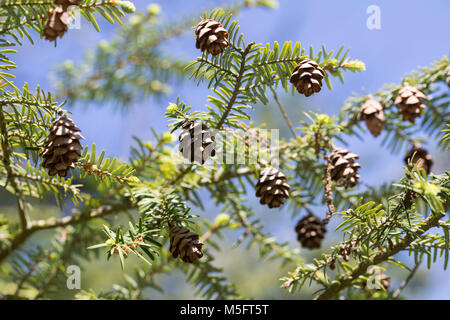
(346, 280)
(6, 157)
(237, 86)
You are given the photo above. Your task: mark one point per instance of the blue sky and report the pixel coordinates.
(412, 34)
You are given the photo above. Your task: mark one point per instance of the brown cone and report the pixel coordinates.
(310, 231)
(185, 244)
(272, 188)
(419, 157)
(196, 142)
(57, 24)
(211, 37)
(307, 77)
(344, 168)
(409, 102)
(62, 147)
(372, 113)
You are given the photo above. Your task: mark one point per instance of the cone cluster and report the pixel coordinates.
(419, 157)
(272, 187)
(410, 102)
(196, 142)
(346, 249)
(372, 113)
(185, 244)
(344, 168)
(125, 250)
(58, 22)
(310, 231)
(307, 77)
(62, 148)
(211, 37)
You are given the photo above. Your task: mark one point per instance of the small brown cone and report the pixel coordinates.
(344, 168)
(272, 187)
(410, 102)
(372, 113)
(211, 37)
(62, 148)
(310, 231)
(419, 157)
(196, 142)
(185, 244)
(307, 77)
(57, 24)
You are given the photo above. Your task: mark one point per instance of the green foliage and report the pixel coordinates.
(19, 17)
(157, 189)
(398, 133)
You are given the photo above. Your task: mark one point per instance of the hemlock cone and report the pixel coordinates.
(185, 244)
(272, 187)
(196, 142)
(57, 24)
(307, 77)
(310, 231)
(62, 148)
(419, 157)
(372, 113)
(410, 102)
(344, 169)
(211, 37)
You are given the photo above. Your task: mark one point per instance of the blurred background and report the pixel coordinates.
(412, 34)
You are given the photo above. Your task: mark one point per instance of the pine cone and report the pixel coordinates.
(185, 244)
(196, 142)
(307, 77)
(57, 24)
(409, 102)
(272, 187)
(344, 168)
(62, 147)
(372, 113)
(310, 231)
(211, 37)
(419, 157)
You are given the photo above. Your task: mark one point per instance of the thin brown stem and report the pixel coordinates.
(397, 292)
(284, 113)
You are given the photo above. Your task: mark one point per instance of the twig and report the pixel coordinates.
(397, 292)
(284, 113)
